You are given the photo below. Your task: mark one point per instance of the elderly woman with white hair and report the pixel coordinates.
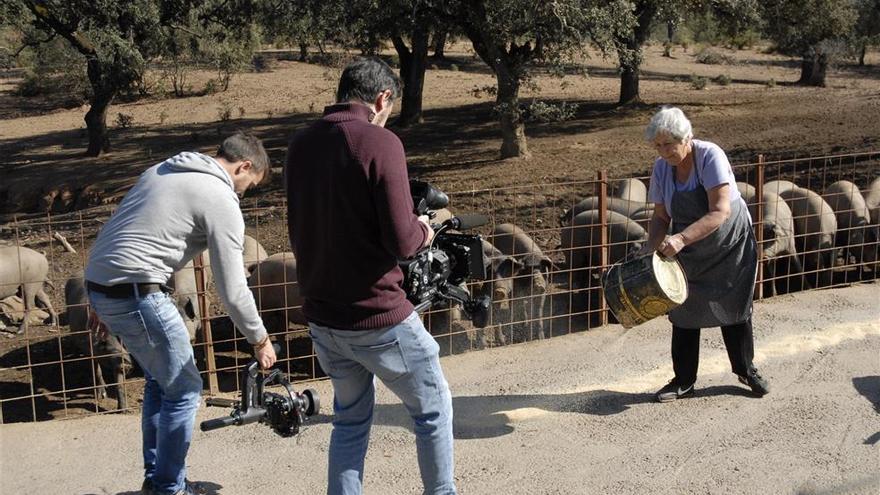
(700, 216)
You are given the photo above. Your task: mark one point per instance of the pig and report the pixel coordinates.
(581, 244)
(746, 190)
(779, 186)
(106, 353)
(498, 287)
(185, 295)
(24, 268)
(275, 288)
(855, 233)
(630, 190)
(622, 206)
(872, 201)
(530, 283)
(815, 228)
(778, 251)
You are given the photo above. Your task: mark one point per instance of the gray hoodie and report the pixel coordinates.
(176, 210)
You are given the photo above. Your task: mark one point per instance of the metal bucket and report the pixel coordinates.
(643, 288)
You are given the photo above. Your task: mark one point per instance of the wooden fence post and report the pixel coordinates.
(210, 363)
(759, 225)
(603, 241)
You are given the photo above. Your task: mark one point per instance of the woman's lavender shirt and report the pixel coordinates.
(714, 170)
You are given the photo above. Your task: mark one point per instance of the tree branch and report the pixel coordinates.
(33, 43)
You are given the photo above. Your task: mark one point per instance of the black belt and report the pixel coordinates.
(124, 291)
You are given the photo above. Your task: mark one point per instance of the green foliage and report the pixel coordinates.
(56, 72)
(542, 111)
(733, 23)
(798, 27)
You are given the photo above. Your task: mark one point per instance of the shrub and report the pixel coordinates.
(261, 63)
(712, 57)
(123, 120)
(489, 90)
(771, 83)
(698, 82)
(453, 67)
(542, 111)
(211, 86)
(224, 111)
(723, 80)
(163, 116)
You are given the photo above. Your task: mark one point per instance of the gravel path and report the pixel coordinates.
(569, 415)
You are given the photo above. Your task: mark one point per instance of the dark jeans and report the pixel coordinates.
(738, 340)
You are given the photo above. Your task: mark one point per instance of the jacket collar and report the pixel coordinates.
(342, 112)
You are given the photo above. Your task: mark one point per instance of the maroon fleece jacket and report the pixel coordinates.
(350, 217)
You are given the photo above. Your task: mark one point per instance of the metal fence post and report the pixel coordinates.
(199, 272)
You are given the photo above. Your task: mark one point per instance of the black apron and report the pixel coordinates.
(720, 268)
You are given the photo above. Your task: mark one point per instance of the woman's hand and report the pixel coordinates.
(645, 250)
(671, 245)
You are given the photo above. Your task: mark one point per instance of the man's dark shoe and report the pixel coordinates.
(147, 487)
(191, 488)
(673, 391)
(757, 383)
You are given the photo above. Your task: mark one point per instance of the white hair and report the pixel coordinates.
(670, 121)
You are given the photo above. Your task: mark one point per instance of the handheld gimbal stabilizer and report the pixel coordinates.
(285, 413)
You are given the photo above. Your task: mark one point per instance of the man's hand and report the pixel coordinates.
(266, 356)
(97, 327)
(427, 221)
(671, 245)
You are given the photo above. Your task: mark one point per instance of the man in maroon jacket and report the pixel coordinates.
(350, 219)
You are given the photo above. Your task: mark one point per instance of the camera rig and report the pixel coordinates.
(438, 272)
(285, 413)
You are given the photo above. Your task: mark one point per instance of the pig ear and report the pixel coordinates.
(189, 310)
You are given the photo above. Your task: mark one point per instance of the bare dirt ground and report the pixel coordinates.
(457, 146)
(569, 415)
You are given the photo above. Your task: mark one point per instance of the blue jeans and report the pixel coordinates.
(406, 358)
(154, 334)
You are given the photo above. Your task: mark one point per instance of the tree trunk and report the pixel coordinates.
(513, 129)
(670, 35)
(413, 63)
(813, 68)
(440, 44)
(96, 117)
(629, 86)
(862, 51)
(631, 58)
(303, 52)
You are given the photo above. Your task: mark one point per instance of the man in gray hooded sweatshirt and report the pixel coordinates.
(176, 210)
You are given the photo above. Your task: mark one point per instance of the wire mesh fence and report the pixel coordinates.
(817, 222)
